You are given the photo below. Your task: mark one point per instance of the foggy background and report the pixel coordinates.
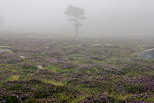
(131, 17)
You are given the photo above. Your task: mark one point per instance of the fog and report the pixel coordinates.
(131, 17)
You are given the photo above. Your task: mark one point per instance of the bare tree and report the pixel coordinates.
(76, 14)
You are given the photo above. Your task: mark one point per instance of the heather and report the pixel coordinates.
(69, 70)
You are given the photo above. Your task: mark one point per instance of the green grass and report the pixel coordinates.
(54, 82)
(13, 78)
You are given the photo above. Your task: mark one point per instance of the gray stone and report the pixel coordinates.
(22, 57)
(5, 49)
(40, 67)
(147, 53)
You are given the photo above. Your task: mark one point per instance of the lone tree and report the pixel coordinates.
(76, 14)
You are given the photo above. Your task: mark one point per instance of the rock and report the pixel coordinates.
(6, 49)
(22, 57)
(147, 54)
(40, 67)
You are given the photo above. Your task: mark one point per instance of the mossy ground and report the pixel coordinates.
(81, 70)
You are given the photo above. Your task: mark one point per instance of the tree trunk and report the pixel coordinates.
(76, 31)
(76, 27)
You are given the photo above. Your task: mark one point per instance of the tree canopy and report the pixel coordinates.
(76, 14)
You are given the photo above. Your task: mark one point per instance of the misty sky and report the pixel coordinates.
(103, 16)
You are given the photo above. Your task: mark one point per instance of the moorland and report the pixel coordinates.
(75, 70)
